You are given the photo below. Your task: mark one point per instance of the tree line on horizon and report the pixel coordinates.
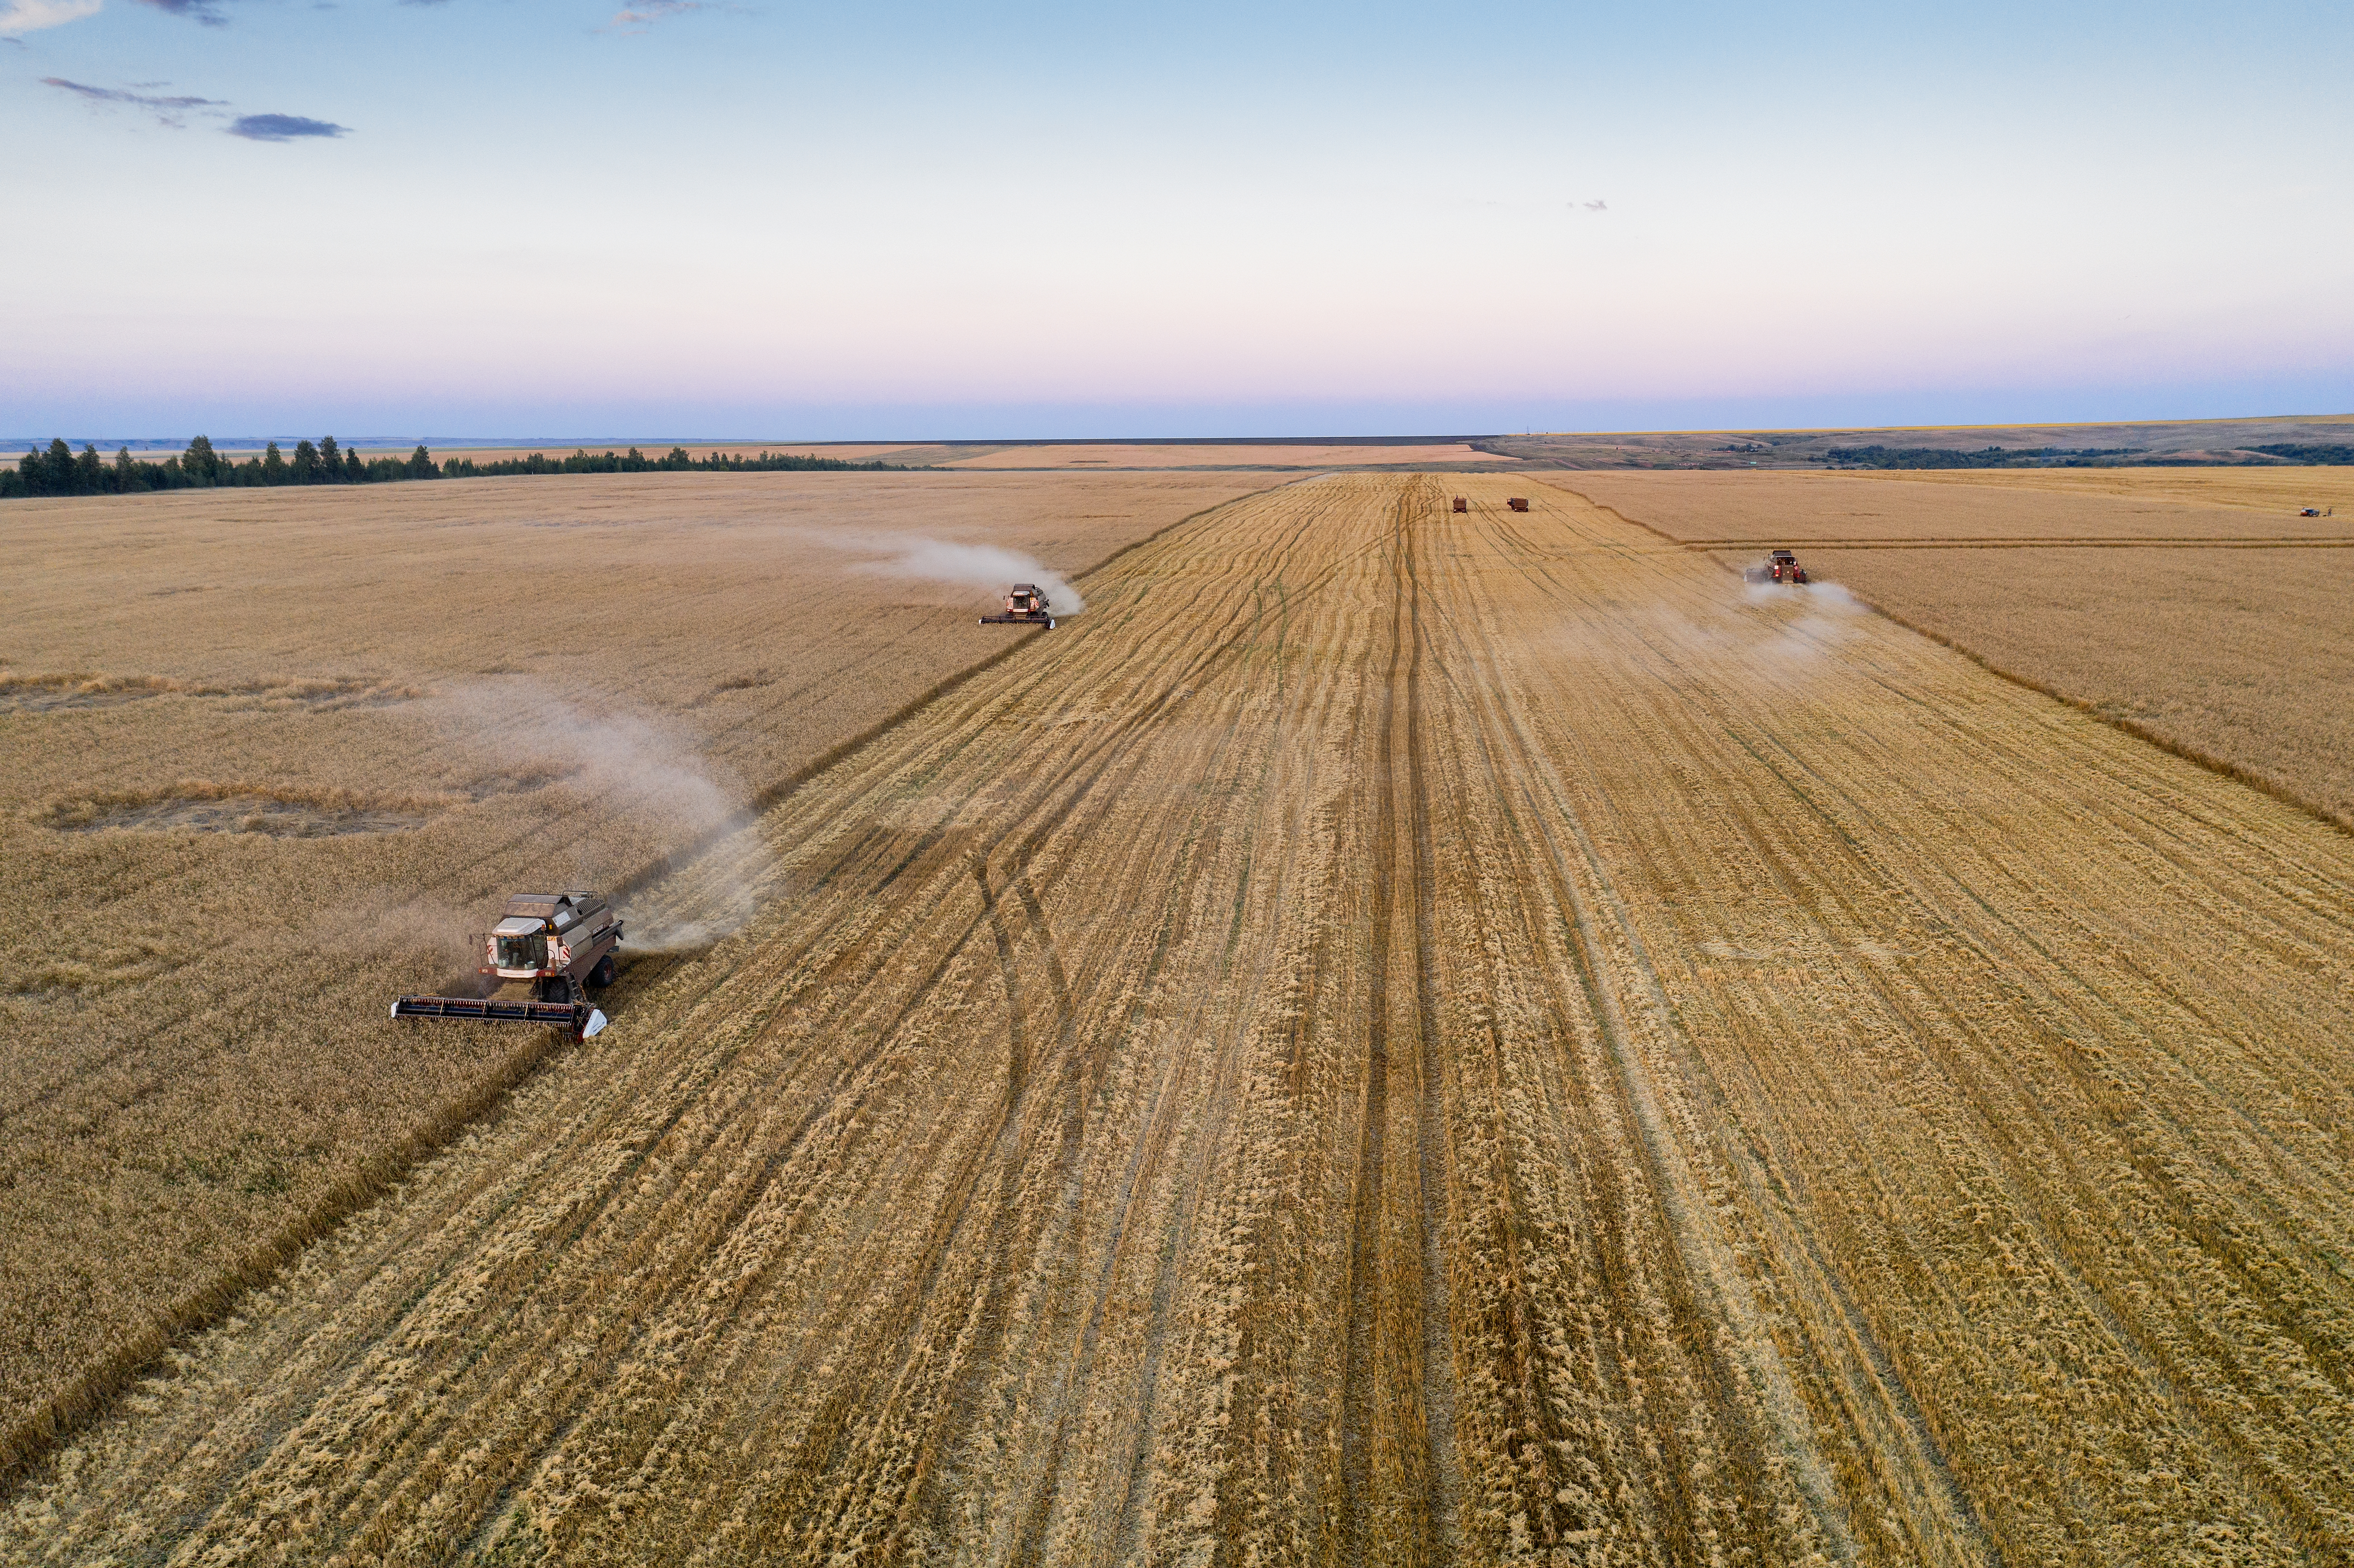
(675, 461)
(59, 471)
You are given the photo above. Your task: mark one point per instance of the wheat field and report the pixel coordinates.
(266, 757)
(2190, 606)
(1398, 1037)
(2279, 492)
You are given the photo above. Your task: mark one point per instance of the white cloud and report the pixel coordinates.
(31, 15)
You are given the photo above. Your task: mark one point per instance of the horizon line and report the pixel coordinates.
(583, 443)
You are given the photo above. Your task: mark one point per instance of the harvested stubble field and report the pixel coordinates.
(266, 757)
(2191, 604)
(1398, 1037)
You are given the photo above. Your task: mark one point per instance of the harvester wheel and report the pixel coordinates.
(602, 975)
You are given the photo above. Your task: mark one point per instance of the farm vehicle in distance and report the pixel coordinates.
(1780, 567)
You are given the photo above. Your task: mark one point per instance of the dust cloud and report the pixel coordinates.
(986, 569)
(632, 768)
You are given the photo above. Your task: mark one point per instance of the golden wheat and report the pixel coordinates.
(2189, 607)
(2277, 493)
(265, 758)
(1399, 1037)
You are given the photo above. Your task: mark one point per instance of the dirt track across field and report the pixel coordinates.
(1397, 1037)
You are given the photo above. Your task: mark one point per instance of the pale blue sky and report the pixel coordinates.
(550, 220)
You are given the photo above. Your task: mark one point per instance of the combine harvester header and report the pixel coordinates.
(556, 942)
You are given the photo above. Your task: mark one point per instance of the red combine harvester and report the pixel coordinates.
(1781, 567)
(1462, 504)
(556, 941)
(1025, 605)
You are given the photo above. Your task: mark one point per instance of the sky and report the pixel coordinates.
(555, 219)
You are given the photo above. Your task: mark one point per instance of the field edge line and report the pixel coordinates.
(89, 1394)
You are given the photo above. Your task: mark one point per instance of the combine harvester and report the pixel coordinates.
(558, 942)
(1780, 567)
(1025, 605)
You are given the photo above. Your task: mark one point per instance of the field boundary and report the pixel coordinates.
(97, 1386)
(2135, 727)
(91, 1390)
(2197, 756)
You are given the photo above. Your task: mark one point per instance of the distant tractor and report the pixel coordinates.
(554, 942)
(1517, 502)
(2314, 511)
(1025, 605)
(1781, 567)
(1462, 504)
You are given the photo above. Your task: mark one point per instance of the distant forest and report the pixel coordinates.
(58, 472)
(2305, 452)
(61, 471)
(636, 461)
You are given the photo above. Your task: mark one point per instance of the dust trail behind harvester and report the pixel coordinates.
(986, 569)
(655, 775)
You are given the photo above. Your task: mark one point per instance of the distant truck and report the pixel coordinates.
(1780, 567)
(1462, 504)
(1517, 502)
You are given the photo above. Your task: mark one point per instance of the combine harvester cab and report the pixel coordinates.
(1780, 567)
(1025, 605)
(558, 942)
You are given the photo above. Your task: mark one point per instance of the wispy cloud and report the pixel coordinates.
(283, 127)
(638, 18)
(207, 11)
(173, 111)
(32, 16)
(167, 110)
(1597, 207)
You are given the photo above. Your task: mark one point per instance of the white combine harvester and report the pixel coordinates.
(559, 942)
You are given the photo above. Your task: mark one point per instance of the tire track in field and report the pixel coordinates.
(1416, 509)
